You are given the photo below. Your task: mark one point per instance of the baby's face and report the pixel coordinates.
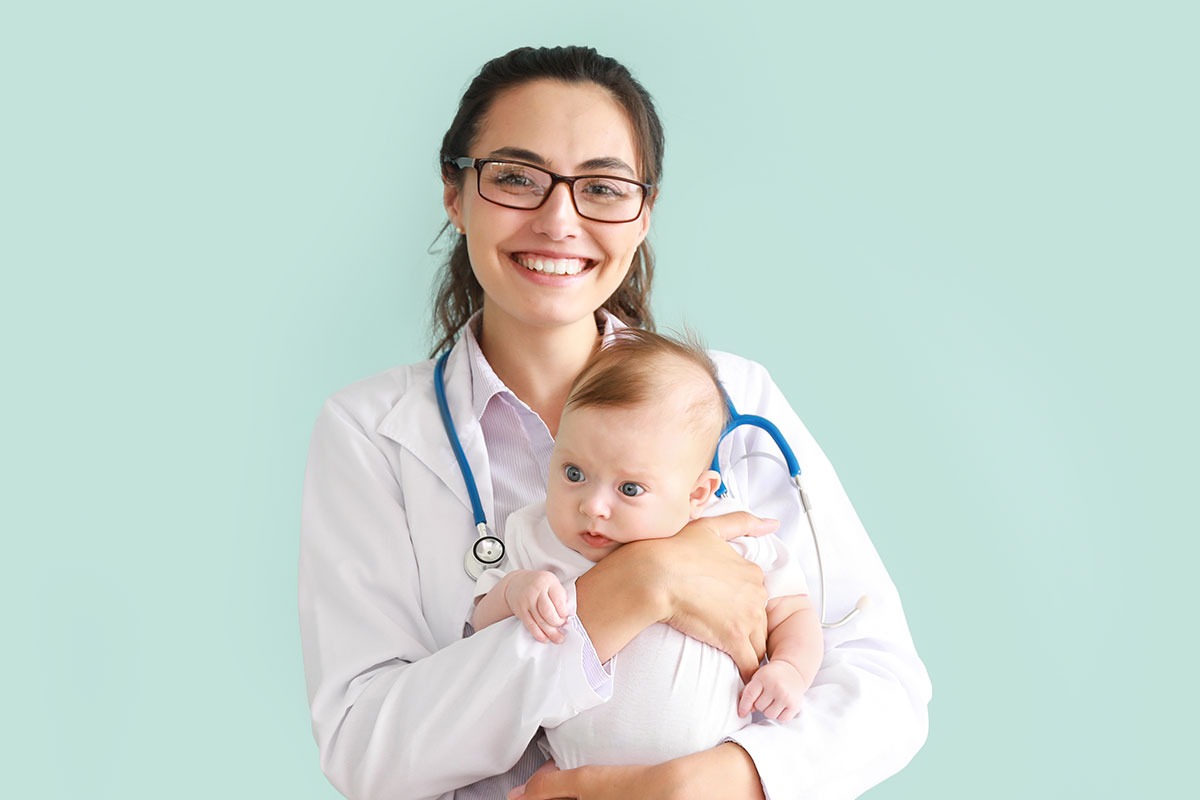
(621, 475)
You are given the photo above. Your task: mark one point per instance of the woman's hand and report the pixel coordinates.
(717, 596)
(692, 581)
(722, 773)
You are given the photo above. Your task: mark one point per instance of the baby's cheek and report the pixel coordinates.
(558, 516)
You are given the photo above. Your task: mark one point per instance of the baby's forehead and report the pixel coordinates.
(618, 420)
(666, 423)
(639, 441)
(655, 410)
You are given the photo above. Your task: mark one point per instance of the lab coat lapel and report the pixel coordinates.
(415, 424)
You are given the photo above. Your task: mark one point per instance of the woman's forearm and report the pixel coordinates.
(619, 598)
(725, 772)
(692, 581)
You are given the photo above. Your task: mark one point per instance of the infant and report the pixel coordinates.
(631, 462)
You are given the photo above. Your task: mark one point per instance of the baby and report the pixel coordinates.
(631, 462)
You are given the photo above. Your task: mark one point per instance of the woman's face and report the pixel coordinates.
(520, 256)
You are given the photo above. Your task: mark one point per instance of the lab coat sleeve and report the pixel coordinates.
(865, 716)
(393, 715)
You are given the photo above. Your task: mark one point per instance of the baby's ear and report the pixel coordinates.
(706, 484)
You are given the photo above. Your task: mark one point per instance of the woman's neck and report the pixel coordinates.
(538, 364)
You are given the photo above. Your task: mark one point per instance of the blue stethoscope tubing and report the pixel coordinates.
(488, 551)
(736, 421)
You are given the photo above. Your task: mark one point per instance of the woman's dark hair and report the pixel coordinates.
(458, 294)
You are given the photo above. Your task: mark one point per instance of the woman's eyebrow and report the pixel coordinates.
(606, 163)
(518, 153)
(521, 154)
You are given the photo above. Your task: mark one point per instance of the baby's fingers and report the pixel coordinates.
(548, 609)
(774, 708)
(549, 619)
(749, 695)
(558, 595)
(532, 624)
(788, 714)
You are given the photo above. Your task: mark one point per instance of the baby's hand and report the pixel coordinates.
(776, 689)
(537, 599)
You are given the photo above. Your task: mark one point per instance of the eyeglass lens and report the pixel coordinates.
(602, 198)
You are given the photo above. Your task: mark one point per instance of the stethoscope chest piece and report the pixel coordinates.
(486, 553)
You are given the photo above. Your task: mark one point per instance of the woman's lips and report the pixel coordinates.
(551, 265)
(595, 539)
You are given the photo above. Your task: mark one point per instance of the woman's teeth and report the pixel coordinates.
(552, 266)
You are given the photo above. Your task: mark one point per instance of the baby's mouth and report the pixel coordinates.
(595, 539)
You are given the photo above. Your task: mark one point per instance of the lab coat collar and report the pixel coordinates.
(415, 424)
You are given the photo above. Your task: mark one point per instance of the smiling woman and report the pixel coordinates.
(550, 171)
(544, 264)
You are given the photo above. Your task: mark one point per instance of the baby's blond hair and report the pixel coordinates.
(637, 367)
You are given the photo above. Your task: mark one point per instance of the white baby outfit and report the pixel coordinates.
(672, 695)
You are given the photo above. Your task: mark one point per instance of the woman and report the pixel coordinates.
(405, 705)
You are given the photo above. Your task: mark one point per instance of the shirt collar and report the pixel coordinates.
(485, 384)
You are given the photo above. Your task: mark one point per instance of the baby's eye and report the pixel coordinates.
(573, 473)
(630, 489)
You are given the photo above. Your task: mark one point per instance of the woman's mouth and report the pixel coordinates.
(551, 266)
(595, 539)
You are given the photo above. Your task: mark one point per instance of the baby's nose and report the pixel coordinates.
(594, 506)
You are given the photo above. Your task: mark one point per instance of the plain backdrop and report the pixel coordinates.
(962, 236)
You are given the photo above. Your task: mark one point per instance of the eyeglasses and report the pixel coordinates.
(513, 184)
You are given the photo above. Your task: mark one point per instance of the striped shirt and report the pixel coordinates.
(519, 446)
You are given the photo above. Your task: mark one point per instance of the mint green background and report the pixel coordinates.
(963, 236)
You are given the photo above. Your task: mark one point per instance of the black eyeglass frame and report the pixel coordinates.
(463, 162)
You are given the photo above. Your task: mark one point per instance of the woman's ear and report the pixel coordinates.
(452, 200)
(706, 484)
(644, 222)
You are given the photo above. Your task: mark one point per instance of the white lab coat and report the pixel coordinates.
(404, 707)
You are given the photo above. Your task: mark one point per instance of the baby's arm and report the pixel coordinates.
(535, 597)
(795, 647)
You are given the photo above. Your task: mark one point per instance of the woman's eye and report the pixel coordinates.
(514, 180)
(631, 489)
(603, 190)
(573, 473)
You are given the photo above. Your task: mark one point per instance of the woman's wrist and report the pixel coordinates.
(621, 596)
(725, 772)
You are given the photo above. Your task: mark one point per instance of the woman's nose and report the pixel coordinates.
(557, 218)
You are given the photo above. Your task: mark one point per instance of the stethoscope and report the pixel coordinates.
(736, 421)
(487, 551)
